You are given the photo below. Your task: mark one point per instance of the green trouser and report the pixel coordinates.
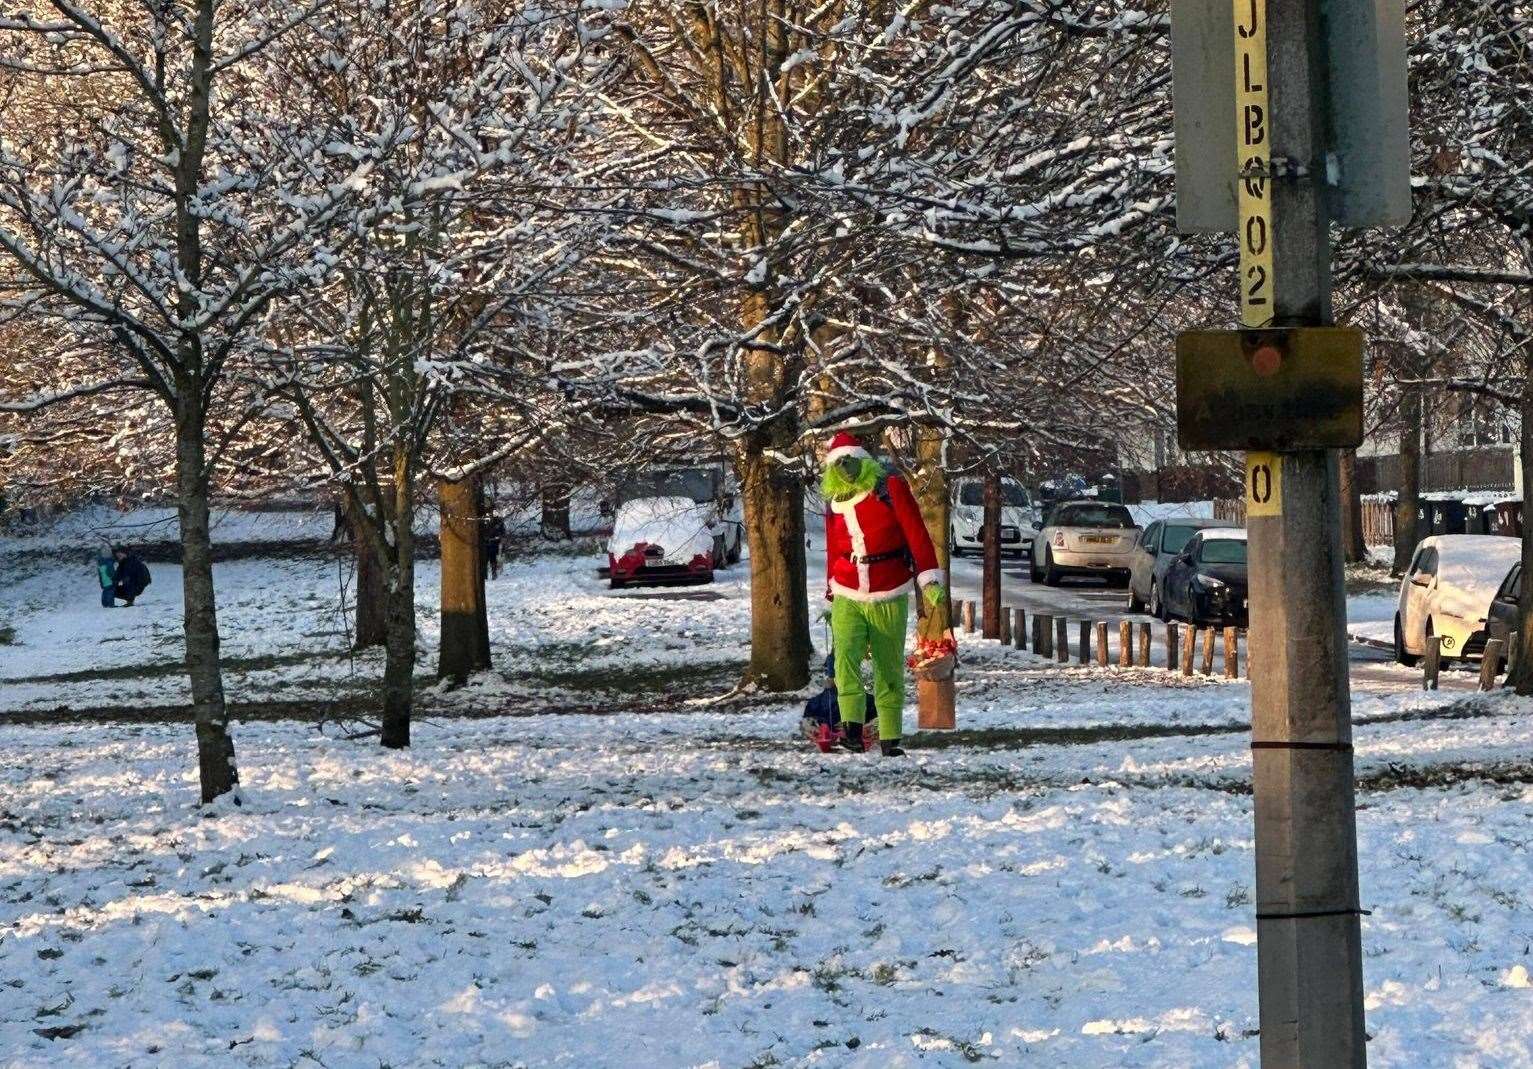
(876, 628)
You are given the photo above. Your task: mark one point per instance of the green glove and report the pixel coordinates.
(935, 594)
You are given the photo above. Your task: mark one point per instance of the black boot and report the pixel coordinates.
(851, 736)
(890, 747)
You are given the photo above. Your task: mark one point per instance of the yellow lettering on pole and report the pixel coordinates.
(1264, 484)
(1254, 142)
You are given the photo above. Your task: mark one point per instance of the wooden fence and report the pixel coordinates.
(1188, 650)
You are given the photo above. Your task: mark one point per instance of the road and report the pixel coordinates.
(1090, 599)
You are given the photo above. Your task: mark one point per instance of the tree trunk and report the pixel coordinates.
(1522, 660)
(991, 576)
(399, 656)
(1352, 547)
(774, 524)
(372, 587)
(556, 511)
(465, 647)
(1409, 490)
(216, 766)
(928, 483)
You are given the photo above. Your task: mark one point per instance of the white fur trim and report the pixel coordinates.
(931, 575)
(848, 510)
(846, 451)
(871, 595)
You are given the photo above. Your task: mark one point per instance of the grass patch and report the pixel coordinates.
(163, 669)
(1023, 738)
(638, 680)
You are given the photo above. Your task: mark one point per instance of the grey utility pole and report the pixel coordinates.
(1309, 944)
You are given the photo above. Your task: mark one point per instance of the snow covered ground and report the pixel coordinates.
(1066, 880)
(700, 890)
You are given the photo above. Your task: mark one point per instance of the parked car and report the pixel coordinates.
(967, 525)
(1084, 538)
(661, 539)
(1206, 583)
(1159, 544)
(711, 486)
(1448, 591)
(1054, 491)
(1504, 616)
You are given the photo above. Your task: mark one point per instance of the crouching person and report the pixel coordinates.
(877, 548)
(130, 575)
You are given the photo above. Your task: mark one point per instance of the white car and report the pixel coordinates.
(966, 523)
(1448, 590)
(662, 539)
(1085, 538)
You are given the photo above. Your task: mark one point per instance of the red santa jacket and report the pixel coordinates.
(864, 527)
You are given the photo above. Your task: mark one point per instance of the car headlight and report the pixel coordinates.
(1208, 582)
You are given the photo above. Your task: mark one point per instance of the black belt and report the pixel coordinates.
(874, 558)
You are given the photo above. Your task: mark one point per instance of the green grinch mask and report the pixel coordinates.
(850, 476)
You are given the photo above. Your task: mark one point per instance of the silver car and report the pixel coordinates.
(1157, 547)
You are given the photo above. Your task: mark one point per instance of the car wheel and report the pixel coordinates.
(1442, 658)
(1134, 604)
(1410, 660)
(1157, 609)
(1050, 573)
(615, 583)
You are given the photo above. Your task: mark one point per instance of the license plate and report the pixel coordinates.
(1100, 540)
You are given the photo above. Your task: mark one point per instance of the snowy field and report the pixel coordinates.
(657, 881)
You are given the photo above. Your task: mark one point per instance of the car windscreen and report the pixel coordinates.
(1223, 551)
(1012, 495)
(1114, 516)
(695, 483)
(1175, 538)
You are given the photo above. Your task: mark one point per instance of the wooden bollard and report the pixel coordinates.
(1083, 646)
(1173, 647)
(1062, 640)
(1189, 647)
(1102, 643)
(1019, 628)
(1232, 653)
(1005, 626)
(1433, 662)
(1045, 647)
(1125, 644)
(968, 617)
(1037, 635)
(1142, 652)
(1490, 666)
(1208, 651)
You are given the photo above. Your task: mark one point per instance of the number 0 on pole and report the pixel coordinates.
(1264, 484)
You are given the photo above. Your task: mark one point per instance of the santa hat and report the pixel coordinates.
(844, 445)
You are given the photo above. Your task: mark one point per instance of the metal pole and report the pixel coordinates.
(1309, 949)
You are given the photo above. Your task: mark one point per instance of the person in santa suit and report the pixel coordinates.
(876, 551)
